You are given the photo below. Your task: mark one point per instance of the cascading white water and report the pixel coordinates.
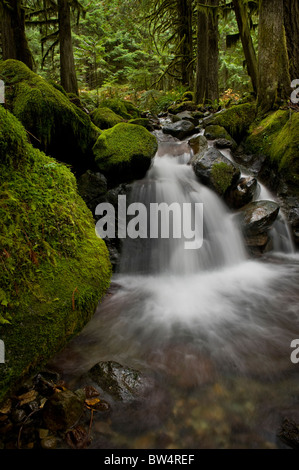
(172, 180)
(208, 317)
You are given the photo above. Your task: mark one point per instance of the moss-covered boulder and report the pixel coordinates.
(215, 132)
(105, 118)
(177, 108)
(54, 124)
(277, 137)
(54, 268)
(236, 120)
(216, 171)
(121, 107)
(124, 153)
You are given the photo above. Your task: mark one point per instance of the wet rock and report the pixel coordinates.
(224, 143)
(45, 382)
(216, 171)
(220, 134)
(120, 382)
(49, 442)
(92, 187)
(62, 410)
(188, 116)
(258, 217)
(180, 129)
(243, 194)
(199, 145)
(289, 433)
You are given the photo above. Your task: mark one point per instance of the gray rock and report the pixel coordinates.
(258, 217)
(216, 171)
(180, 129)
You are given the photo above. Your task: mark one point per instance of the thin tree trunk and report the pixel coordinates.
(248, 48)
(14, 41)
(274, 78)
(291, 23)
(184, 9)
(67, 63)
(212, 92)
(202, 55)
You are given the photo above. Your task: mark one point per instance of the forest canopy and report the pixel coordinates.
(155, 50)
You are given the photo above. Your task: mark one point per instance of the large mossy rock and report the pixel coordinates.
(121, 107)
(105, 118)
(124, 153)
(277, 137)
(216, 171)
(54, 268)
(236, 120)
(54, 124)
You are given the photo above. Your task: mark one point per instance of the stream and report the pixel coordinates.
(210, 328)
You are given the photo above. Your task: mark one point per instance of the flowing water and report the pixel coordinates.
(210, 327)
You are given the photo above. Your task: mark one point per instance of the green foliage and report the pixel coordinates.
(54, 269)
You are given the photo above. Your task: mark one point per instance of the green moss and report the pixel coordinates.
(213, 132)
(105, 118)
(222, 177)
(236, 120)
(140, 122)
(182, 106)
(122, 108)
(54, 124)
(124, 152)
(54, 269)
(277, 137)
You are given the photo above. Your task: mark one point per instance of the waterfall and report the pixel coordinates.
(172, 180)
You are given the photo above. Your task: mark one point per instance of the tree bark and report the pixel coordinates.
(184, 9)
(14, 41)
(274, 77)
(212, 92)
(202, 55)
(67, 64)
(291, 23)
(248, 48)
(207, 67)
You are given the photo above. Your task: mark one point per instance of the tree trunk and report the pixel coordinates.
(274, 78)
(67, 64)
(184, 9)
(212, 92)
(291, 23)
(207, 70)
(248, 48)
(202, 55)
(14, 41)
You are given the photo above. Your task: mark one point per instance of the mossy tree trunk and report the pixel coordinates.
(207, 67)
(184, 10)
(274, 79)
(67, 63)
(12, 25)
(291, 23)
(247, 43)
